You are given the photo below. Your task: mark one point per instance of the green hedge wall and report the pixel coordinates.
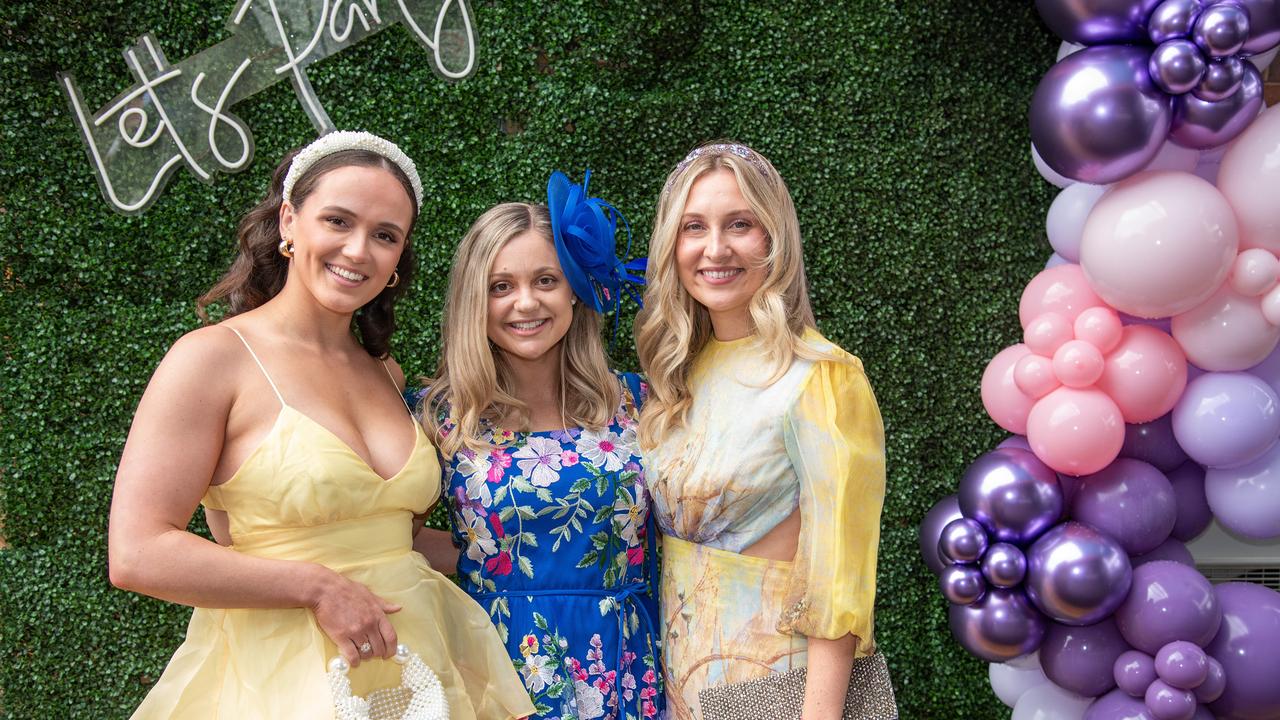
(901, 128)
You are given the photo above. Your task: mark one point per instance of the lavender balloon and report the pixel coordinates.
(1176, 66)
(1194, 514)
(1130, 501)
(1097, 117)
(1264, 25)
(942, 512)
(1221, 30)
(1081, 659)
(1169, 703)
(1182, 664)
(1246, 499)
(1215, 683)
(1248, 646)
(1169, 550)
(1095, 22)
(1020, 441)
(1200, 124)
(1004, 565)
(1220, 80)
(1116, 705)
(1168, 602)
(963, 541)
(1154, 443)
(1134, 671)
(962, 584)
(1226, 419)
(1014, 495)
(999, 627)
(1172, 19)
(1077, 575)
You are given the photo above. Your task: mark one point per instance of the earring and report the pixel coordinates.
(286, 248)
(395, 279)
(573, 300)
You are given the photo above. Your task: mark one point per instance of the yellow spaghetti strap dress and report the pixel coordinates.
(305, 495)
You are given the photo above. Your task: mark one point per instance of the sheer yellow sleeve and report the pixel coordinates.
(835, 438)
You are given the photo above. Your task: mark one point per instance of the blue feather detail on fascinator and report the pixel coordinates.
(585, 231)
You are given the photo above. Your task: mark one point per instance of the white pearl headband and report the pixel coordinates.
(350, 140)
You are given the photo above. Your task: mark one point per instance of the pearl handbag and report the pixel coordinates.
(420, 695)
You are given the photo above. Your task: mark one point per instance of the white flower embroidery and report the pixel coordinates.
(630, 514)
(537, 676)
(590, 700)
(480, 544)
(539, 460)
(604, 449)
(475, 468)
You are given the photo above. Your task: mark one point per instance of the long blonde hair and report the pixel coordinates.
(673, 327)
(473, 380)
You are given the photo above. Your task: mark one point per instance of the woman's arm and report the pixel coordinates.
(437, 547)
(830, 665)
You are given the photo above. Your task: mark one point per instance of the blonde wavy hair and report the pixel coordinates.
(473, 380)
(673, 326)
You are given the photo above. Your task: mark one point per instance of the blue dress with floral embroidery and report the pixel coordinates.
(557, 546)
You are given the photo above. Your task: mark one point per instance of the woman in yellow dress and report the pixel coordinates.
(285, 421)
(762, 443)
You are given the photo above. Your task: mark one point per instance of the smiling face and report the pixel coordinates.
(530, 302)
(348, 236)
(721, 248)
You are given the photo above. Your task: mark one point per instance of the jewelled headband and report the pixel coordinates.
(351, 140)
(741, 151)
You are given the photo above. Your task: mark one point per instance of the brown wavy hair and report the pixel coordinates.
(259, 270)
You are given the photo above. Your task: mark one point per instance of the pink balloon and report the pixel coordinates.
(1075, 432)
(1249, 177)
(1034, 375)
(1062, 289)
(1227, 332)
(1158, 244)
(1145, 374)
(1077, 364)
(1005, 403)
(1046, 333)
(1254, 272)
(1099, 326)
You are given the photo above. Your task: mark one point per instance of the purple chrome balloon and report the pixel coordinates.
(1129, 500)
(1020, 441)
(1096, 22)
(1199, 124)
(1097, 117)
(1248, 646)
(1246, 499)
(1193, 508)
(963, 540)
(962, 584)
(1081, 659)
(1116, 705)
(1169, 550)
(1004, 565)
(1134, 671)
(1221, 30)
(1077, 575)
(1215, 682)
(1172, 19)
(1264, 25)
(999, 627)
(1166, 702)
(1182, 664)
(1154, 443)
(1220, 80)
(1226, 419)
(1176, 66)
(942, 512)
(1168, 602)
(1014, 495)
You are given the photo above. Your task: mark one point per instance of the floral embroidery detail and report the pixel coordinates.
(540, 461)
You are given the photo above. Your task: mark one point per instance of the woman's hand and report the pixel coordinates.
(354, 618)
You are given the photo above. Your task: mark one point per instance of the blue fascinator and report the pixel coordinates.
(585, 230)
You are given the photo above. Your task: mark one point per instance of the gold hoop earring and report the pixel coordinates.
(395, 279)
(286, 248)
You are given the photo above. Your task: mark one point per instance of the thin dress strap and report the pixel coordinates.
(396, 387)
(261, 367)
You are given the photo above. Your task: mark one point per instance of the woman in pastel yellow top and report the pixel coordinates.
(764, 447)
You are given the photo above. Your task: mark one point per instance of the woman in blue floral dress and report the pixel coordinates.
(547, 500)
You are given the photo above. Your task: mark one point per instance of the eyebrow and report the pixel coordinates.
(539, 271)
(345, 211)
(739, 211)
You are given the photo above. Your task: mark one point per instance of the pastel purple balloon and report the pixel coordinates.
(1215, 682)
(1246, 499)
(1097, 117)
(962, 584)
(1176, 66)
(1172, 19)
(1202, 124)
(1194, 514)
(1153, 442)
(1077, 575)
(1224, 419)
(1081, 659)
(1248, 646)
(1014, 495)
(1264, 25)
(1169, 601)
(942, 512)
(1055, 260)
(1116, 705)
(1182, 664)
(1129, 500)
(1018, 442)
(963, 540)
(1269, 369)
(1221, 30)
(1094, 22)
(1004, 565)
(1169, 550)
(999, 627)
(1134, 671)
(1166, 702)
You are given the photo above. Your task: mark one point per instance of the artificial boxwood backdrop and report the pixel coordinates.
(900, 127)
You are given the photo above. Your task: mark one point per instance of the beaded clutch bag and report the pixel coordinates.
(781, 697)
(420, 695)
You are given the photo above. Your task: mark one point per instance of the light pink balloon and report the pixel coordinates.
(1046, 333)
(1075, 432)
(1226, 332)
(1077, 364)
(1254, 272)
(1005, 403)
(1062, 289)
(1034, 375)
(1100, 327)
(1271, 306)
(1159, 243)
(1250, 180)
(1145, 374)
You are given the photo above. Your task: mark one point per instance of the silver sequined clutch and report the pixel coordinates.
(781, 697)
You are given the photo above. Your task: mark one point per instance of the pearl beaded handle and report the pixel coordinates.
(419, 697)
